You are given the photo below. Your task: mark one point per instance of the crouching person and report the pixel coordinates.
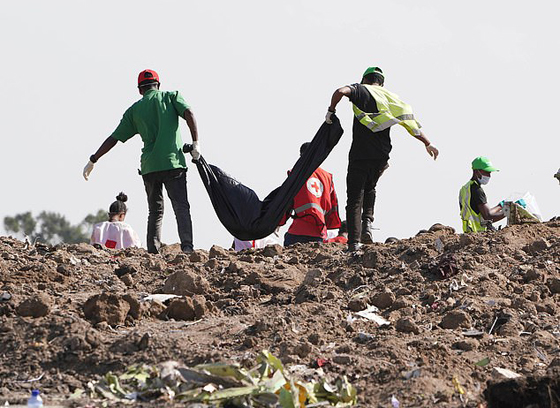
(314, 209)
(115, 233)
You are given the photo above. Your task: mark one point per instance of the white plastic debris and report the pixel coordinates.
(159, 297)
(473, 333)
(370, 314)
(504, 373)
(74, 260)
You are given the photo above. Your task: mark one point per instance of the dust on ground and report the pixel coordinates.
(460, 308)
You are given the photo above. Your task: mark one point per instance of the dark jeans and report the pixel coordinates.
(175, 182)
(291, 239)
(360, 194)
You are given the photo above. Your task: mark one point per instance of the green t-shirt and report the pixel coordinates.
(156, 118)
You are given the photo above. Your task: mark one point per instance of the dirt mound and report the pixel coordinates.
(106, 307)
(185, 282)
(426, 320)
(36, 306)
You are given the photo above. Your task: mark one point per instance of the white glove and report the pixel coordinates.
(195, 152)
(88, 169)
(432, 151)
(328, 119)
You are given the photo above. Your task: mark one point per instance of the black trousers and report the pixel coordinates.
(175, 182)
(361, 180)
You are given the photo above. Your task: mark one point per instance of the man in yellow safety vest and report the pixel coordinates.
(375, 111)
(476, 214)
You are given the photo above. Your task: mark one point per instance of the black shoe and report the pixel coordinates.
(367, 232)
(353, 247)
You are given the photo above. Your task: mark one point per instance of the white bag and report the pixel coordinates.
(527, 210)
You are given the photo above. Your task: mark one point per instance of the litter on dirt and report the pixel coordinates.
(260, 302)
(267, 383)
(371, 314)
(505, 373)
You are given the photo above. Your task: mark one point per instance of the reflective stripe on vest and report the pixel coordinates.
(392, 111)
(307, 207)
(472, 222)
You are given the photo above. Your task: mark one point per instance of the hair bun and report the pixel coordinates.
(122, 197)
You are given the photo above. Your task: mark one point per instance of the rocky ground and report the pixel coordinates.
(459, 310)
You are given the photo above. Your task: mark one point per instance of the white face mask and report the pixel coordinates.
(484, 180)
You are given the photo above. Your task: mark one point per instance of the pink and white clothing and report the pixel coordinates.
(115, 234)
(272, 239)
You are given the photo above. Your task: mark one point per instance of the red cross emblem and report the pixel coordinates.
(315, 187)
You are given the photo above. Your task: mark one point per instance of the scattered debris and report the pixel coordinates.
(484, 362)
(159, 297)
(504, 373)
(299, 303)
(267, 383)
(371, 314)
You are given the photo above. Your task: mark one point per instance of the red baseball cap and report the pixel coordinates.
(148, 76)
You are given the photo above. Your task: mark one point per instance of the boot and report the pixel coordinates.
(367, 232)
(353, 247)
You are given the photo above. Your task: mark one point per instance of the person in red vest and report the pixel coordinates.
(315, 208)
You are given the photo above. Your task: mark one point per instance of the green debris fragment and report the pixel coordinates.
(483, 362)
(139, 373)
(266, 384)
(342, 394)
(225, 370)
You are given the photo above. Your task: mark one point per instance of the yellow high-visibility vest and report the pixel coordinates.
(391, 109)
(472, 222)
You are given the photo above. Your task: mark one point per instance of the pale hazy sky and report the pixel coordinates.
(482, 77)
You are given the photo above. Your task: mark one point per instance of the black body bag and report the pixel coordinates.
(239, 208)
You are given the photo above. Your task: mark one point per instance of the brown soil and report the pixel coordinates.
(71, 313)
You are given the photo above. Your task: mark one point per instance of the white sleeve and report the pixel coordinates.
(95, 235)
(130, 237)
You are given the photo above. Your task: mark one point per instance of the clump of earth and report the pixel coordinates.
(451, 319)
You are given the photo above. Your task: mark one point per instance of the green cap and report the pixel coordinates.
(483, 163)
(371, 70)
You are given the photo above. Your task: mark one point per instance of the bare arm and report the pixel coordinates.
(191, 123)
(107, 145)
(423, 139)
(337, 96)
(491, 213)
(432, 151)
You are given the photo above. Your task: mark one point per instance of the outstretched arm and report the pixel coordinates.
(337, 96)
(107, 145)
(335, 99)
(432, 150)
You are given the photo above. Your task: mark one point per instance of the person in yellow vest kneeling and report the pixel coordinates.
(476, 214)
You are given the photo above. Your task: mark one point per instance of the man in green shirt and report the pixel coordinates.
(155, 118)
